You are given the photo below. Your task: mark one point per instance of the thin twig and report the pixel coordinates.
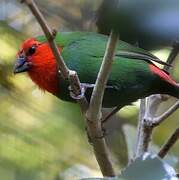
(110, 114)
(94, 112)
(169, 144)
(158, 120)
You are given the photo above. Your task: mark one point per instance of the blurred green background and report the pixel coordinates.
(42, 137)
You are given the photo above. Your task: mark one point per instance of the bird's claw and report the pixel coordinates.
(80, 96)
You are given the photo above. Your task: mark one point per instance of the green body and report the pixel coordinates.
(130, 77)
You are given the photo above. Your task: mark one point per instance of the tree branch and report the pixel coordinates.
(95, 106)
(93, 114)
(169, 144)
(138, 147)
(149, 122)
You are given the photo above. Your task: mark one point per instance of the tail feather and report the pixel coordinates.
(167, 84)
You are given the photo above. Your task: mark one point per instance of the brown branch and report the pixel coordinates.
(110, 114)
(169, 144)
(148, 122)
(139, 146)
(98, 92)
(95, 130)
(94, 112)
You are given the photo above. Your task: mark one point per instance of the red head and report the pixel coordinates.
(37, 59)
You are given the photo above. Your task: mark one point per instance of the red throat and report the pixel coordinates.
(162, 74)
(44, 69)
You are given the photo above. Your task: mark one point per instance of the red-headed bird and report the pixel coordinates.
(133, 74)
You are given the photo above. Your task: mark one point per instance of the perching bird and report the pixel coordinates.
(133, 74)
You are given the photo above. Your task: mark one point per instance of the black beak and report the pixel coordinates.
(21, 65)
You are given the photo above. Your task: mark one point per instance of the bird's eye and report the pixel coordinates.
(31, 50)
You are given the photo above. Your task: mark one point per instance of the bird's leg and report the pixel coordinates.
(77, 97)
(84, 87)
(109, 115)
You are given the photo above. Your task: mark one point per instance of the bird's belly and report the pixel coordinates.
(126, 95)
(120, 97)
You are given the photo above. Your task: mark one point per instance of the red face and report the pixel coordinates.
(37, 59)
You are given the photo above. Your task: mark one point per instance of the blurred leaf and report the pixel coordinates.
(149, 167)
(135, 22)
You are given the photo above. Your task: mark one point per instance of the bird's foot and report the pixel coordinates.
(77, 97)
(84, 87)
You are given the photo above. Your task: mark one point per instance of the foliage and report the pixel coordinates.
(148, 167)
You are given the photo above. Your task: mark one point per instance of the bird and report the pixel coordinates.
(133, 76)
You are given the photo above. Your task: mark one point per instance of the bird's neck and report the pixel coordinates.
(46, 79)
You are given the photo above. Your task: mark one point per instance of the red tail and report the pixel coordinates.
(162, 74)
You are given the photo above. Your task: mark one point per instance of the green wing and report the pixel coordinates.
(86, 53)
